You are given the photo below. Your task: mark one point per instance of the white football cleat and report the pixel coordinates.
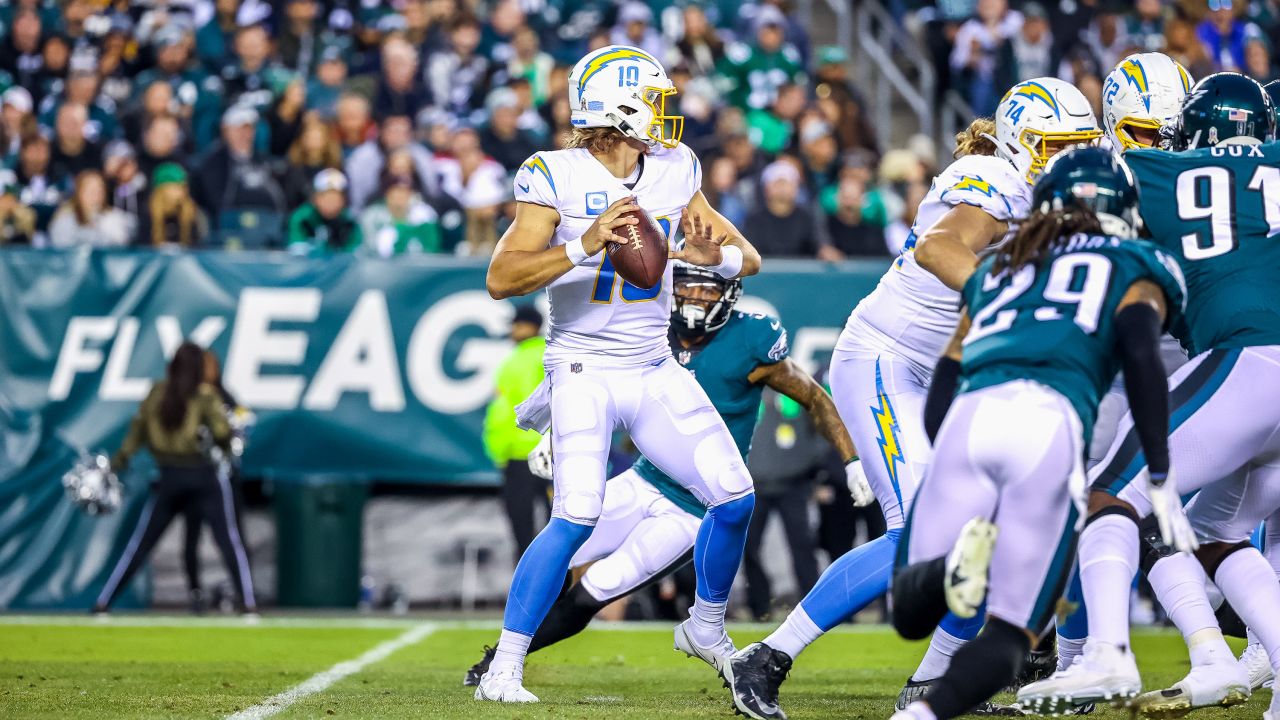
(1257, 665)
(503, 686)
(909, 712)
(1105, 673)
(968, 566)
(1216, 685)
(1273, 712)
(715, 656)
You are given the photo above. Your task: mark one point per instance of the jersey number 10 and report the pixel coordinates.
(1209, 193)
(607, 277)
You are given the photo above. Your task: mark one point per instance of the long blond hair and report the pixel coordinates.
(168, 200)
(596, 140)
(976, 139)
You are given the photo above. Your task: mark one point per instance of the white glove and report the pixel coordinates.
(1175, 529)
(540, 462)
(858, 486)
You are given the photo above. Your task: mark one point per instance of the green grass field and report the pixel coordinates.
(152, 667)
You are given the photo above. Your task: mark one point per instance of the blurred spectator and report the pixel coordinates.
(161, 143)
(20, 53)
(353, 121)
(324, 224)
(296, 39)
(979, 44)
(770, 128)
(786, 453)
(315, 150)
(400, 87)
(55, 55)
(364, 164)
(752, 74)
(1107, 38)
(326, 87)
(504, 19)
(1144, 26)
(214, 38)
(843, 105)
(126, 185)
(87, 220)
(232, 176)
(400, 222)
(15, 119)
(194, 96)
(853, 230)
(1257, 59)
(81, 88)
(246, 77)
(819, 155)
(458, 77)
(529, 62)
(17, 221)
(700, 48)
(1182, 45)
(635, 28)
(779, 228)
(724, 191)
(1029, 53)
(1225, 36)
(507, 445)
(39, 192)
(72, 153)
(502, 138)
(172, 217)
(479, 184)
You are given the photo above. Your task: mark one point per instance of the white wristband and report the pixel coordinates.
(575, 252)
(730, 262)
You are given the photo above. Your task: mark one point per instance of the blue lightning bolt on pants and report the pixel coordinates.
(880, 398)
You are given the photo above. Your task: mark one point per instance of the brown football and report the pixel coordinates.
(643, 259)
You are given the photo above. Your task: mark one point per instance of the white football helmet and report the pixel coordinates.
(624, 87)
(1039, 118)
(1145, 91)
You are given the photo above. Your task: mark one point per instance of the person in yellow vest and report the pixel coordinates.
(509, 446)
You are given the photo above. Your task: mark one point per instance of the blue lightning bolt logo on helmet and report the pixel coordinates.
(1143, 94)
(625, 88)
(1039, 118)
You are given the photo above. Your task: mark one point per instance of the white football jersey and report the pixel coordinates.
(911, 312)
(596, 316)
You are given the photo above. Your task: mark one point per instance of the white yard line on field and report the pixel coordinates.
(321, 681)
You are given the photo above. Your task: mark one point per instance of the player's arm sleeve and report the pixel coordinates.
(535, 182)
(1138, 336)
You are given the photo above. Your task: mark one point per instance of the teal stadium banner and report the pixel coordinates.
(363, 368)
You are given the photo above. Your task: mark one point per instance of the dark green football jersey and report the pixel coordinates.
(1217, 210)
(1054, 323)
(721, 367)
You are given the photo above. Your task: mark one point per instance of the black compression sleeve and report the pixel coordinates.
(946, 375)
(1138, 329)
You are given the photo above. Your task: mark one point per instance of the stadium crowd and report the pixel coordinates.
(386, 128)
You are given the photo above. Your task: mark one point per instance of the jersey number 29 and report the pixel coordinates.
(1066, 285)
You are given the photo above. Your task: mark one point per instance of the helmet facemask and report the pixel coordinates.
(1042, 146)
(701, 302)
(663, 129)
(1136, 133)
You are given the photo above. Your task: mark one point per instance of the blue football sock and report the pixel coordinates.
(717, 552)
(852, 582)
(962, 628)
(540, 574)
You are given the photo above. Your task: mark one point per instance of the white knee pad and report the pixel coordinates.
(721, 468)
(661, 540)
(612, 576)
(579, 489)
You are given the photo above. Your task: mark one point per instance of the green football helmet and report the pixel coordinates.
(1093, 178)
(1224, 106)
(1273, 91)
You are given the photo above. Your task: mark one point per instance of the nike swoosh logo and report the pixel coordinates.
(523, 188)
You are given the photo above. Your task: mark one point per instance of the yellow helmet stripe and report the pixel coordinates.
(1137, 76)
(1037, 91)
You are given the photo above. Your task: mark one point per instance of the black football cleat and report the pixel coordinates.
(917, 689)
(1039, 665)
(753, 676)
(478, 670)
